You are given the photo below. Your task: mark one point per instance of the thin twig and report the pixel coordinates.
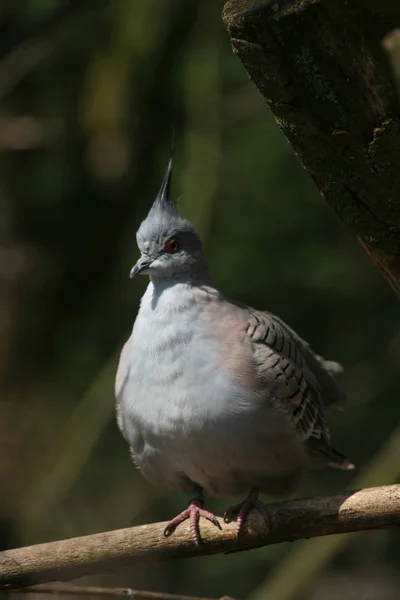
(91, 590)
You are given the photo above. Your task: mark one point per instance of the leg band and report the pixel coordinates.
(197, 495)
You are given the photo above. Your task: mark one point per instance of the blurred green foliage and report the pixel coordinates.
(90, 92)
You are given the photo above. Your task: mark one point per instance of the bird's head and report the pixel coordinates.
(169, 244)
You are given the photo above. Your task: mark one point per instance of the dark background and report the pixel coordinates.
(89, 92)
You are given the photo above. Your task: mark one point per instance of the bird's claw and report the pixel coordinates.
(215, 521)
(192, 513)
(242, 510)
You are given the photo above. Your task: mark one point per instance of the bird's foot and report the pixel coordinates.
(242, 510)
(193, 513)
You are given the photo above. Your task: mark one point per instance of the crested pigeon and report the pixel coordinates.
(214, 396)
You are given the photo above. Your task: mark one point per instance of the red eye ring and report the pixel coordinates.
(172, 246)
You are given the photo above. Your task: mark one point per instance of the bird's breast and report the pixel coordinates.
(182, 370)
(174, 366)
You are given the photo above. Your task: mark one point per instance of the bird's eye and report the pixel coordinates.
(172, 246)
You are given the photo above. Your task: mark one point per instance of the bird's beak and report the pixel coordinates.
(142, 264)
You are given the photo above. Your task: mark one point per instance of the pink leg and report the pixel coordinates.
(242, 510)
(193, 513)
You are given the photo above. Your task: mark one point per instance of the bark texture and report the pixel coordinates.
(322, 69)
(371, 508)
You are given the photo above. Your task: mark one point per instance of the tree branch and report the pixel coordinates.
(370, 508)
(324, 74)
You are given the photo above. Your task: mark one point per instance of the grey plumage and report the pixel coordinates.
(213, 395)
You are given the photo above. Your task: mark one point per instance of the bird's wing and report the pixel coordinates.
(323, 370)
(297, 380)
(120, 380)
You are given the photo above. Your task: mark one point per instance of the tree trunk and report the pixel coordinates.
(322, 69)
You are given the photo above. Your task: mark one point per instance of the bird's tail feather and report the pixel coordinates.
(339, 461)
(323, 455)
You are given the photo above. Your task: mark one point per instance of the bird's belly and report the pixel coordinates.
(172, 416)
(205, 431)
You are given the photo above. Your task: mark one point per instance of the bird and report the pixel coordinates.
(213, 396)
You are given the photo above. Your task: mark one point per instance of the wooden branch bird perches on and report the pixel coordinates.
(371, 508)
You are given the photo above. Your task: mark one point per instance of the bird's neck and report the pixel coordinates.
(194, 279)
(174, 291)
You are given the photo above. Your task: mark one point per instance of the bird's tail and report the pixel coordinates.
(323, 455)
(338, 461)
